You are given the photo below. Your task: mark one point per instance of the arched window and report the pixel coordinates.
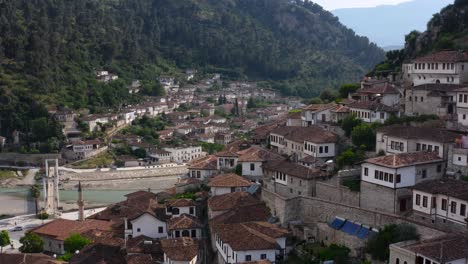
(405, 262)
(185, 233)
(397, 261)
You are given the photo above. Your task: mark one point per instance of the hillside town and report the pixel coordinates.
(379, 175)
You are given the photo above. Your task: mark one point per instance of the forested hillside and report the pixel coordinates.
(49, 49)
(447, 29)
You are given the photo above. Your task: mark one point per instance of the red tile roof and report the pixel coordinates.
(180, 249)
(257, 154)
(242, 214)
(442, 249)
(444, 56)
(19, 258)
(405, 159)
(231, 200)
(373, 106)
(60, 229)
(184, 221)
(314, 134)
(229, 180)
(204, 163)
(180, 203)
(294, 169)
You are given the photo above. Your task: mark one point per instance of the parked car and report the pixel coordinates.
(17, 228)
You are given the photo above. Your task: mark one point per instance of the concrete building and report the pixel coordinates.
(462, 107)
(252, 160)
(316, 113)
(184, 226)
(228, 183)
(432, 99)
(386, 181)
(457, 164)
(381, 92)
(185, 154)
(85, 149)
(290, 179)
(441, 201)
(148, 224)
(177, 207)
(227, 160)
(448, 249)
(397, 139)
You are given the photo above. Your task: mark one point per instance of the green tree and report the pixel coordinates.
(140, 153)
(75, 242)
(363, 136)
(350, 122)
(4, 240)
(349, 158)
(328, 95)
(378, 246)
(347, 89)
(32, 243)
(35, 194)
(238, 169)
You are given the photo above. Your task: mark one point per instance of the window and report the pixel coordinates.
(463, 209)
(423, 174)
(465, 98)
(160, 229)
(418, 199)
(382, 115)
(386, 177)
(425, 201)
(326, 149)
(175, 211)
(398, 178)
(416, 98)
(138, 230)
(198, 174)
(376, 174)
(402, 147)
(185, 233)
(390, 178)
(381, 175)
(418, 147)
(194, 233)
(252, 166)
(422, 98)
(366, 172)
(460, 98)
(192, 210)
(397, 261)
(436, 148)
(439, 168)
(453, 207)
(444, 205)
(321, 150)
(429, 148)
(424, 147)
(263, 256)
(433, 202)
(248, 257)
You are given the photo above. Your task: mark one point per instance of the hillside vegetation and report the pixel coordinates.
(49, 49)
(447, 29)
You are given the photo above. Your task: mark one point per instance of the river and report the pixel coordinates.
(15, 201)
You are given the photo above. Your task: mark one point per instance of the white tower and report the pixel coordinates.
(51, 193)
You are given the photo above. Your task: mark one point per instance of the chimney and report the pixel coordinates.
(80, 203)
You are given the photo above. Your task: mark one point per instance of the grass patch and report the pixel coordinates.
(102, 160)
(353, 185)
(7, 174)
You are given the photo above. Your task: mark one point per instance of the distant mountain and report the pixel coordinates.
(392, 47)
(387, 25)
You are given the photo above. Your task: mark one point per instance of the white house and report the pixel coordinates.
(182, 250)
(397, 139)
(252, 160)
(380, 92)
(316, 113)
(204, 167)
(185, 154)
(251, 241)
(184, 226)
(386, 180)
(227, 160)
(85, 149)
(442, 200)
(462, 106)
(147, 224)
(228, 183)
(444, 67)
(178, 207)
(447, 249)
(372, 111)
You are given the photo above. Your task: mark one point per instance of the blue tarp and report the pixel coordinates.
(350, 228)
(337, 223)
(363, 232)
(253, 188)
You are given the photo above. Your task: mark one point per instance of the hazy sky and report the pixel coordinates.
(335, 4)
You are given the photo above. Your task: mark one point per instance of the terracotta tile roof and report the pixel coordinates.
(294, 169)
(140, 259)
(319, 107)
(444, 56)
(226, 153)
(231, 200)
(180, 249)
(111, 238)
(381, 88)
(229, 180)
(145, 245)
(443, 249)
(341, 109)
(204, 163)
(242, 214)
(180, 203)
(19, 258)
(405, 159)
(184, 221)
(427, 133)
(250, 236)
(449, 187)
(60, 229)
(99, 253)
(313, 134)
(373, 106)
(256, 153)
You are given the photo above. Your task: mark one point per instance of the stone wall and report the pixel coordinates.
(35, 159)
(331, 191)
